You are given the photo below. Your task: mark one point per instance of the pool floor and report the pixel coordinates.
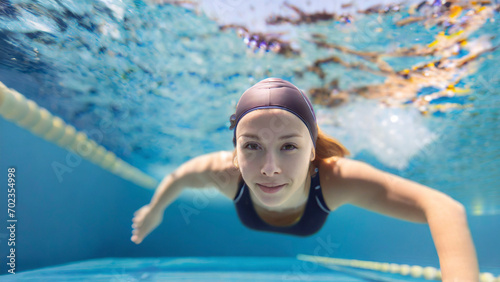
(201, 269)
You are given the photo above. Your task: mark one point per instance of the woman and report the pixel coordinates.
(286, 176)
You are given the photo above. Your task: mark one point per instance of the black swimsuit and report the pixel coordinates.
(312, 220)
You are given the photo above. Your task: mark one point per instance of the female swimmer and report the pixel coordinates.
(286, 176)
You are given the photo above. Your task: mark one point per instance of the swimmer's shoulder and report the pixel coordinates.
(223, 174)
(333, 178)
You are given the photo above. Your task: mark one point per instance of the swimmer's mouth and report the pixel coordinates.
(270, 188)
(269, 185)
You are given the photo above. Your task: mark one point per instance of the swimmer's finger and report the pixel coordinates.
(137, 218)
(136, 235)
(136, 239)
(140, 237)
(137, 211)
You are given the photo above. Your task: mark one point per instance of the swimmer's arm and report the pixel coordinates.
(202, 171)
(367, 187)
(198, 172)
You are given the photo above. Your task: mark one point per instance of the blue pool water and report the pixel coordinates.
(156, 84)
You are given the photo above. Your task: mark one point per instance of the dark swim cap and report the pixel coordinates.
(276, 93)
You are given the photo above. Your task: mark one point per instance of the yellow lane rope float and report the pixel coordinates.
(416, 271)
(28, 115)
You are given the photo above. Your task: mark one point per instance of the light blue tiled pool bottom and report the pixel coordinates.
(200, 269)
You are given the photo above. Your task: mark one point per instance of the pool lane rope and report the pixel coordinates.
(39, 121)
(416, 271)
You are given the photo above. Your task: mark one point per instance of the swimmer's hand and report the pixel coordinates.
(145, 220)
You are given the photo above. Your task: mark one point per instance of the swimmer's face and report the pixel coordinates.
(273, 147)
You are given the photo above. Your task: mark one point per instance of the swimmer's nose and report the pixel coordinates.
(271, 165)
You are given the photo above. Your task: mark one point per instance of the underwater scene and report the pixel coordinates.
(100, 100)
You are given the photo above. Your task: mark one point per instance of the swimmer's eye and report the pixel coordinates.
(290, 146)
(254, 146)
(250, 146)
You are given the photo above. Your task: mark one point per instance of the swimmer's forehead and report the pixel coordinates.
(277, 115)
(286, 125)
(284, 129)
(282, 137)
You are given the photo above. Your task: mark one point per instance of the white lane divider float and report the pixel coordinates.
(416, 271)
(28, 115)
